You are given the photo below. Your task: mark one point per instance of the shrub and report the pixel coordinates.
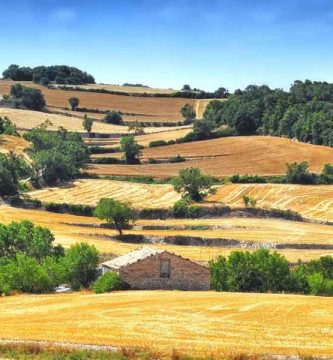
(298, 173)
(109, 281)
(177, 159)
(108, 160)
(74, 102)
(319, 285)
(181, 209)
(113, 117)
(248, 179)
(157, 143)
(130, 148)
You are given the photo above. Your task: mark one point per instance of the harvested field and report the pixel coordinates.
(147, 108)
(198, 323)
(313, 202)
(26, 119)
(69, 229)
(201, 104)
(261, 155)
(89, 192)
(128, 89)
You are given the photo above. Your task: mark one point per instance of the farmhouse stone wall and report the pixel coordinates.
(184, 274)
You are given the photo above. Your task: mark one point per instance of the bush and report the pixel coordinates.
(247, 179)
(298, 173)
(108, 160)
(319, 285)
(177, 159)
(109, 281)
(29, 98)
(113, 117)
(157, 143)
(181, 209)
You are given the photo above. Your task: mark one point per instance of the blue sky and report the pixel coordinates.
(206, 43)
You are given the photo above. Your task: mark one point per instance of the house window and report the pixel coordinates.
(165, 268)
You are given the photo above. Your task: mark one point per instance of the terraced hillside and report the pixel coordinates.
(198, 323)
(314, 202)
(201, 239)
(141, 108)
(261, 155)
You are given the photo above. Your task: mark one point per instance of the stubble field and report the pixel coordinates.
(197, 323)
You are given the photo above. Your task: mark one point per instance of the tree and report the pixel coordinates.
(188, 112)
(29, 98)
(137, 127)
(113, 117)
(203, 128)
(74, 102)
(192, 183)
(222, 93)
(298, 173)
(131, 149)
(87, 124)
(80, 265)
(244, 122)
(118, 213)
(186, 88)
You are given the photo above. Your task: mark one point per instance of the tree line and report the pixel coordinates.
(264, 271)
(304, 112)
(59, 74)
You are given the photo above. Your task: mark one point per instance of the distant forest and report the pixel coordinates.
(59, 74)
(304, 113)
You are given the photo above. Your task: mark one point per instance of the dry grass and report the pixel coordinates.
(146, 108)
(261, 155)
(201, 104)
(199, 323)
(69, 229)
(13, 143)
(26, 119)
(314, 202)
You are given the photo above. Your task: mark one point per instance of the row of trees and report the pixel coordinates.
(263, 271)
(60, 74)
(304, 113)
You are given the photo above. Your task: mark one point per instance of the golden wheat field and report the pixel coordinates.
(147, 108)
(70, 229)
(198, 323)
(314, 202)
(26, 119)
(261, 155)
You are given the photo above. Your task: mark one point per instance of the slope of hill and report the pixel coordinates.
(13, 143)
(198, 323)
(261, 155)
(151, 109)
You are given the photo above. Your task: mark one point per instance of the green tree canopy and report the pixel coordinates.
(118, 213)
(131, 149)
(74, 102)
(192, 183)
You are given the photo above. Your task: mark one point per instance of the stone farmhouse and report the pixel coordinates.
(148, 268)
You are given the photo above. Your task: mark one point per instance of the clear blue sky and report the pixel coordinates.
(206, 43)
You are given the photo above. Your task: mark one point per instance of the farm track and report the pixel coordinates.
(198, 323)
(69, 229)
(256, 155)
(150, 108)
